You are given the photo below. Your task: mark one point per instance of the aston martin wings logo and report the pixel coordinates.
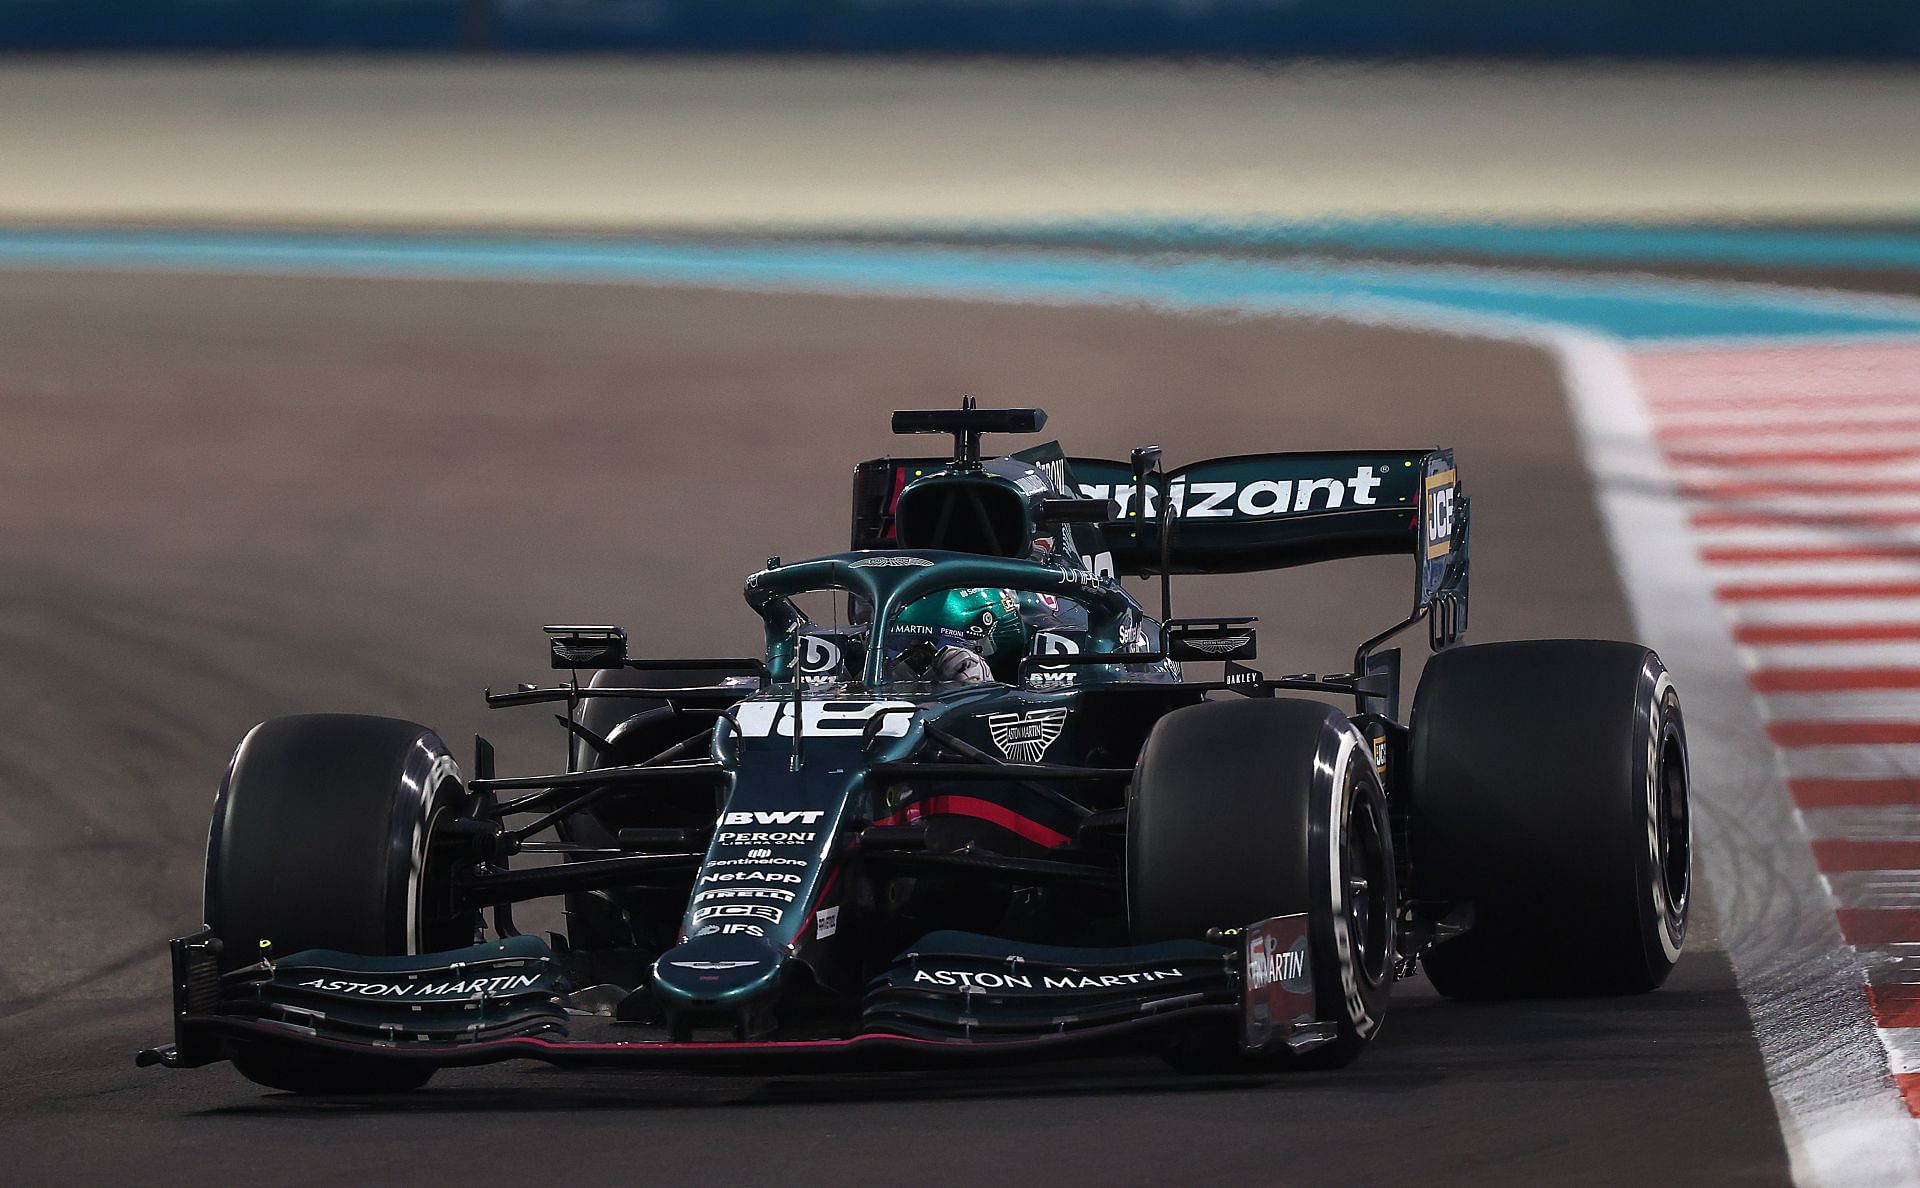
(1225, 643)
(1024, 738)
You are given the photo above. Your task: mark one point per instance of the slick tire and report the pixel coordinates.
(323, 837)
(1245, 810)
(639, 728)
(1549, 791)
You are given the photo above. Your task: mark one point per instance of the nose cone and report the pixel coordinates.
(716, 971)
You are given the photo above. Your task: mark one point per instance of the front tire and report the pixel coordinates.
(1242, 811)
(324, 837)
(1550, 791)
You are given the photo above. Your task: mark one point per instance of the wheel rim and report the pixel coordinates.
(1673, 827)
(1368, 907)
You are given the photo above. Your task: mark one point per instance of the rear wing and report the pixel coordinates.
(1252, 512)
(1257, 512)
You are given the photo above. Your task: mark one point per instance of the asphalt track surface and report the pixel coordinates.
(223, 499)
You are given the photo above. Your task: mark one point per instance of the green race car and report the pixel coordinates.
(981, 807)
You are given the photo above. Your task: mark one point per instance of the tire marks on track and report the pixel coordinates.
(1823, 643)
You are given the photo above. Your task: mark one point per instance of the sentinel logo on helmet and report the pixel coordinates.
(1262, 497)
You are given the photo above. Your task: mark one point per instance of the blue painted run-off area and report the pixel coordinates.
(1758, 245)
(1638, 308)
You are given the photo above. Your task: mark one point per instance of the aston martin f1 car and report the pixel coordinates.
(969, 802)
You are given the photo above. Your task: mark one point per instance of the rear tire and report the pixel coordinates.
(322, 838)
(1550, 791)
(638, 729)
(1242, 811)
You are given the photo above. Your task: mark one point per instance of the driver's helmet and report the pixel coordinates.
(981, 620)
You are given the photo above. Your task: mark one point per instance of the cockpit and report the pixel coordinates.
(823, 617)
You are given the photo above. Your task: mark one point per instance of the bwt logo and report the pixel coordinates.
(809, 817)
(1262, 497)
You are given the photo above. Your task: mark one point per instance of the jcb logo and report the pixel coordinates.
(1440, 516)
(1440, 489)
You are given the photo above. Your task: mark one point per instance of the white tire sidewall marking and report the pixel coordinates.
(1352, 991)
(1656, 865)
(443, 769)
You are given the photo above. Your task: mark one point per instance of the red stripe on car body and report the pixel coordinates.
(983, 810)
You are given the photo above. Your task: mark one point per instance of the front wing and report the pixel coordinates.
(951, 998)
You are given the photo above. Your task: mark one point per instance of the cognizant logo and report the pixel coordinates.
(1261, 497)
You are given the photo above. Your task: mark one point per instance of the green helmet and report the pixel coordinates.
(988, 620)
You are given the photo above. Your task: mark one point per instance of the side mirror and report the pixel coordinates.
(587, 647)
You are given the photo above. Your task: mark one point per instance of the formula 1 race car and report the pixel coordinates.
(968, 804)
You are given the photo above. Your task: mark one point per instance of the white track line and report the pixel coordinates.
(1897, 964)
(1903, 1048)
(1852, 611)
(1896, 822)
(1736, 417)
(1789, 537)
(1833, 655)
(1843, 570)
(1877, 890)
(1853, 762)
(1876, 705)
(1855, 433)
